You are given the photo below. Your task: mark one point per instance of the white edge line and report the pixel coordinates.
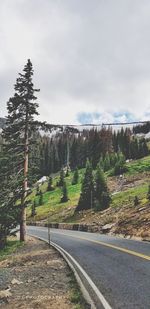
(82, 286)
(89, 280)
(85, 293)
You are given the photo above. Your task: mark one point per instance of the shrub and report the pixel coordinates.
(136, 200)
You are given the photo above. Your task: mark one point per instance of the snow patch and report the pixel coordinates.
(41, 180)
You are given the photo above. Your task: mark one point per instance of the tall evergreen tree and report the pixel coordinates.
(102, 197)
(40, 198)
(67, 171)
(50, 184)
(101, 163)
(64, 197)
(100, 183)
(38, 190)
(18, 135)
(75, 178)
(119, 167)
(87, 190)
(33, 209)
(61, 178)
(105, 200)
(106, 162)
(8, 196)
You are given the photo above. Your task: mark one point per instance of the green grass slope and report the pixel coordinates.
(51, 200)
(138, 166)
(64, 212)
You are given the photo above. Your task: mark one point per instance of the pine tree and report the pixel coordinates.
(140, 150)
(40, 198)
(18, 136)
(119, 167)
(105, 200)
(100, 183)
(101, 193)
(50, 184)
(75, 177)
(86, 199)
(9, 215)
(67, 171)
(101, 163)
(64, 197)
(61, 178)
(37, 190)
(121, 158)
(134, 149)
(145, 148)
(33, 209)
(106, 163)
(113, 159)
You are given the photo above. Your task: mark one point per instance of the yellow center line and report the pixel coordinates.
(143, 256)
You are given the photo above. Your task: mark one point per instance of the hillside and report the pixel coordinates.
(122, 217)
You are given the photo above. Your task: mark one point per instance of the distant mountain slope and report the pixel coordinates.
(52, 129)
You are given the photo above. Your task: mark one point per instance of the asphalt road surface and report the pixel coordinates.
(119, 268)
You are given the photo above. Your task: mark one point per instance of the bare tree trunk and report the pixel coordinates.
(23, 224)
(25, 187)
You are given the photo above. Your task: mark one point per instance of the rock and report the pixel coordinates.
(107, 227)
(15, 281)
(141, 209)
(4, 294)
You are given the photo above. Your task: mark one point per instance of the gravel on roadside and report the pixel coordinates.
(33, 277)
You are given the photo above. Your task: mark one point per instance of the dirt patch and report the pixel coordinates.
(117, 184)
(35, 277)
(127, 220)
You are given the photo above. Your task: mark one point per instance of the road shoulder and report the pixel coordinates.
(36, 276)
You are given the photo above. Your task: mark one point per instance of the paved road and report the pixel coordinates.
(120, 268)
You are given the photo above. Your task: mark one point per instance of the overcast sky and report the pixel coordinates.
(91, 58)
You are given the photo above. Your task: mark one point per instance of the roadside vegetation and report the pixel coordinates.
(11, 246)
(76, 296)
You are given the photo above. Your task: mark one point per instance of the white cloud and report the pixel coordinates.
(88, 56)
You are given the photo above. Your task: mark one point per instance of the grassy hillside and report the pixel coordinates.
(138, 166)
(127, 197)
(51, 200)
(136, 183)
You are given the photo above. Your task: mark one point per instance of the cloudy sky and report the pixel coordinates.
(91, 58)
